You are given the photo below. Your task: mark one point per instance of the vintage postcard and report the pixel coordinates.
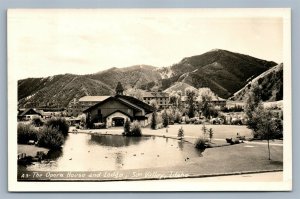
(149, 100)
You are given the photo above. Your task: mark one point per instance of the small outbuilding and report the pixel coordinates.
(28, 114)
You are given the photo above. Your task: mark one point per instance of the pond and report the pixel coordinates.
(86, 152)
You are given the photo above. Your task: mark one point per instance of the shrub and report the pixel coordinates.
(136, 130)
(233, 141)
(200, 143)
(198, 122)
(236, 121)
(171, 116)
(51, 138)
(26, 132)
(236, 141)
(192, 120)
(187, 121)
(99, 126)
(160, 126)
(177, 117)
(60, 124)
(37, 121)
(229, 140)
(159, 118)
(180, 133)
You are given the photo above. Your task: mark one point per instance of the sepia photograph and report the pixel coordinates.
(149, 99)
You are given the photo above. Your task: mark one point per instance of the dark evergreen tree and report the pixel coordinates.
(127, 126)
(119, 89)
(154, 120)
(165, 117)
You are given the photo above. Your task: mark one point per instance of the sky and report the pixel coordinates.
(43, 43)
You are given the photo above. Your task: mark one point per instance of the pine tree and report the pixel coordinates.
(127, 126)
(191, 97)
(154, 120)
(204, 129)
(180, 133)
(165, 118)
(210, 133)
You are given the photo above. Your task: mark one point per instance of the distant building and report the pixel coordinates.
(77, 106)
(28, 114)
(216, 101)
(73, 108)
(162, 99)
(232, 104)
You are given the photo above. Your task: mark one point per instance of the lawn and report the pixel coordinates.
(233, 159)
(190, 130)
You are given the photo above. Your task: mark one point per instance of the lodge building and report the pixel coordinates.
(162, 99)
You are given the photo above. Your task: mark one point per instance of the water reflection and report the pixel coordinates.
(85, 152)
(115, 140)
(199, 152)
(119, 160)
(54, 154)
(180, 145)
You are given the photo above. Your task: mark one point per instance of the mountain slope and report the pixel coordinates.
(58, 90)
(179, 86)
(224, 72)
(133, 76)
(270, 84)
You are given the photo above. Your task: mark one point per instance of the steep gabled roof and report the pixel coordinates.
(137, 102)
(128, 101)
(155, 94)
(93, 98)
(28, 110)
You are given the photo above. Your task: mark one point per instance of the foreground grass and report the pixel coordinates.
(228, 160)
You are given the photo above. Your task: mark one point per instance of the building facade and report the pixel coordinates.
(162, 99)
(77, 106)
(115, 110)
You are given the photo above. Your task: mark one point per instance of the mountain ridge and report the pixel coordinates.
(222, 71)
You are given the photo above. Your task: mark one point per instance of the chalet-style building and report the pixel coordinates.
(162, 99)
(28, 114)
(77, 106)
(114, 110)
